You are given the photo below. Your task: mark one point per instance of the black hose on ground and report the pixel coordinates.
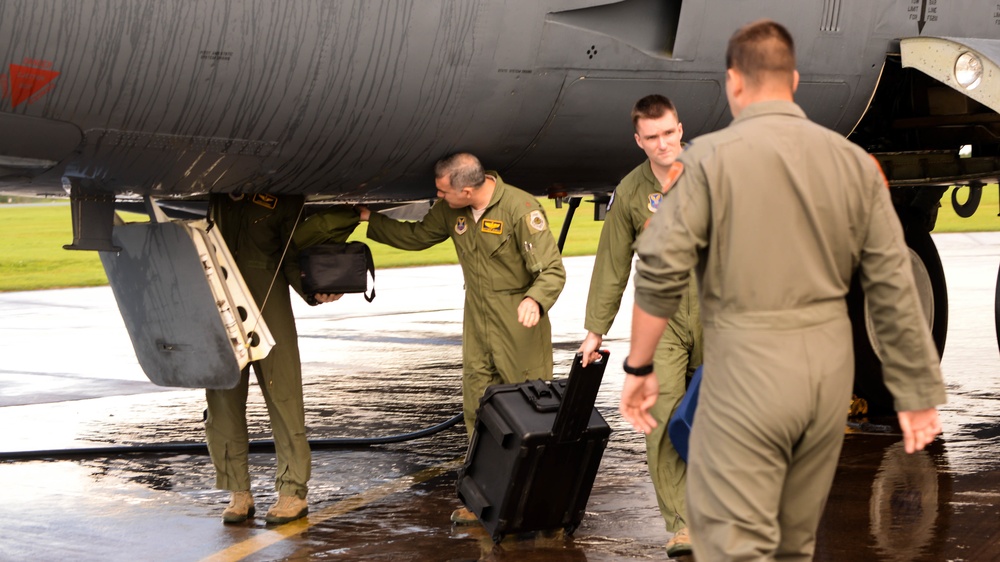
(202, 449)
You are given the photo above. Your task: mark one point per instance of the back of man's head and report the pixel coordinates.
(764, 53)
(462, 170)
(652, 106)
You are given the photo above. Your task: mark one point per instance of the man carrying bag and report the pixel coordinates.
(329, 264)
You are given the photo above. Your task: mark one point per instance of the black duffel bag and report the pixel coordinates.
(337, 268)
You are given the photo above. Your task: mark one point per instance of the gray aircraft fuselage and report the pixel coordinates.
(355, 99)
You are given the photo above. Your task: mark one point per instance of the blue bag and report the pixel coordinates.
(679, 427)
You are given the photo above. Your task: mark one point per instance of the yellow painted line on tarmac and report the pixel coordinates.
(270, 537)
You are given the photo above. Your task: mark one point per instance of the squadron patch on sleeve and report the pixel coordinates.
(265, 200)
(654, 201)
(461, 226)
(537, 220)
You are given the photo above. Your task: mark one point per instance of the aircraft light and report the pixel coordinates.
(968, 71)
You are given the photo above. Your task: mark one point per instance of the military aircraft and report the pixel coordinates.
(112, 101)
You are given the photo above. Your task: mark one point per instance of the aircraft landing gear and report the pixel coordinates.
(996, 309)
(932, 292)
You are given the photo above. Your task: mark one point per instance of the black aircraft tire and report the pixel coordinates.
(868, 383)
(996, 309)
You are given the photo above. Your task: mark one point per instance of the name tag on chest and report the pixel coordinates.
(492, 226)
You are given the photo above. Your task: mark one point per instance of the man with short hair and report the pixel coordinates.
(513, 274)
(658, 133)
(778, 367)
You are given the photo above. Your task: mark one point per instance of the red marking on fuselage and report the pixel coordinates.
(29, 81)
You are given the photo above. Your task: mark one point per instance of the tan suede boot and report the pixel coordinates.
(679, 544)
(463, 516)
(287, 508)
(240, 507)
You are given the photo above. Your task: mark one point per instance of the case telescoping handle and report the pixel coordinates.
(578, 400)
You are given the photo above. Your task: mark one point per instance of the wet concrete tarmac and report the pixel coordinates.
(69, 379)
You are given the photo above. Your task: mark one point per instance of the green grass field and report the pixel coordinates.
(32, 255)
(32, 237)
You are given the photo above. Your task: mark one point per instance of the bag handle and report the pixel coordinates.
(371, 271)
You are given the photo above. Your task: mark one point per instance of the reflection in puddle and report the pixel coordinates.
(904, 504)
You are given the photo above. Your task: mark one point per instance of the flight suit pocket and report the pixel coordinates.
(507, 268)
(531, 262)
(261, 234)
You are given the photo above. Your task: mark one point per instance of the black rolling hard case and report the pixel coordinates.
(534, 453)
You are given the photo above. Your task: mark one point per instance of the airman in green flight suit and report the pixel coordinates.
(512, 268)
(257, 229)
(679, 352)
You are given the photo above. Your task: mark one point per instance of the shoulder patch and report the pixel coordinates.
(654, 201)
(461, 226)
(536, 220)
(673, 174)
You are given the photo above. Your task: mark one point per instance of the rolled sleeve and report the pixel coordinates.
(612, 266)
(910, 364)
(407, 235)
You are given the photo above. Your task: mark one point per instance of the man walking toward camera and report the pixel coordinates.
(778, 364)
(658, 132)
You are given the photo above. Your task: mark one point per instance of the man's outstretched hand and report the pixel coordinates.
(920, 427)
(638, 396)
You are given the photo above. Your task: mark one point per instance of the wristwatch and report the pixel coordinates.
(637, 371)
